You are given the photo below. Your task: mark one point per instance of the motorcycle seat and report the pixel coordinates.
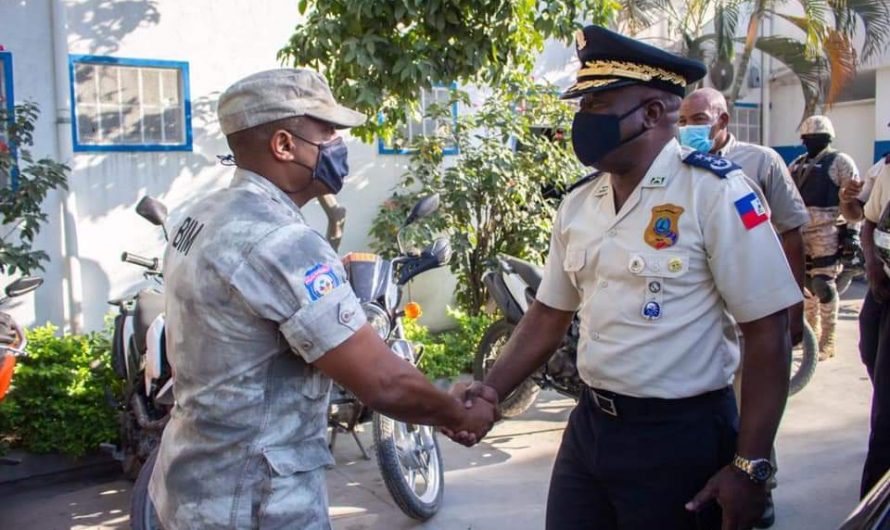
(530, 273)
(149, 304)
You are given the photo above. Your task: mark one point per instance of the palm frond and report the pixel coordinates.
(841, 56)
(875, 17)
(726, 21)
(792, 53)
(814, 29)
(638, 15)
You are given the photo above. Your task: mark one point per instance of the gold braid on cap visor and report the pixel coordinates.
(620, 70)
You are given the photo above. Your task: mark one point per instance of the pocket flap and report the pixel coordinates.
(575, 259)
(306, 456)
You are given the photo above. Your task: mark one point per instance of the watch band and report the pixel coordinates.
(758, 470)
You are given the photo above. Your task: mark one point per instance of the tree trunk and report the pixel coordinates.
(745, 59)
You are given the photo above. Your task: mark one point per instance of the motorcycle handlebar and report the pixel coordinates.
(148, 263)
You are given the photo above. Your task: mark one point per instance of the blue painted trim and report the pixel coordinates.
(383, 150)
(743, 105)
(182, 66)
(789, 152)
(881, 147)
(6, 59)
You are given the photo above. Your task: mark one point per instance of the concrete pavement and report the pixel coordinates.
(503, 481)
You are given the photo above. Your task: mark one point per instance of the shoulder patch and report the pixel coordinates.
(715, 164)
(586, 180)
(320, 280)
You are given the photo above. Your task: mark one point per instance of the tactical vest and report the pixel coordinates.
(816, 187)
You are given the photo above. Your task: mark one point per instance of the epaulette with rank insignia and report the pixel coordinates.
(585, 180)
(715, 164)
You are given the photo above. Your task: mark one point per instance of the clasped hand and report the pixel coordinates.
(480, 413)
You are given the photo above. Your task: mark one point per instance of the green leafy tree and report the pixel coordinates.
(21, 212)
(512, 149)
(379, 54)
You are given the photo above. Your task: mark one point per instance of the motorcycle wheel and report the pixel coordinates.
(411, 465)
(804, 358)
(142, 510)
(490, 347)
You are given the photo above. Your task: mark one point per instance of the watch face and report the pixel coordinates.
(761, 470)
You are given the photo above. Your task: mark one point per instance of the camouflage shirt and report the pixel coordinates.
(254, 296)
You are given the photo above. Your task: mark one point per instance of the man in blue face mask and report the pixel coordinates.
(704, 126)
(648, 253)
(260, 318)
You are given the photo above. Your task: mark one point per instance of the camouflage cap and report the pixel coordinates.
(278, 94)
(817, 125)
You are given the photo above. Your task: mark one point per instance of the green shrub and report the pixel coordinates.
(450, 353)
(57, 401)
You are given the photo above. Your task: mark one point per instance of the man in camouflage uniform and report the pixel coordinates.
(260, 317)
(820, 174)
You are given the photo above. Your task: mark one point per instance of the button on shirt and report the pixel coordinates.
(766, 168)
(651, 299)
(253, 297)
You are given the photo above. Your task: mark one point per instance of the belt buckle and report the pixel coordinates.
(604, 403)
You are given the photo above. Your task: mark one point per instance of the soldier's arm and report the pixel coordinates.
(388, 384)
(795, 253)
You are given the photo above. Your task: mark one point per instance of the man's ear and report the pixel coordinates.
(723, 120)
(655, 111)
(281, 144)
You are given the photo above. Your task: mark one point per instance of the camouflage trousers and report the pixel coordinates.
(821, 310)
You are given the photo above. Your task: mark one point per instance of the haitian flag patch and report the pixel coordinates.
(751, 210)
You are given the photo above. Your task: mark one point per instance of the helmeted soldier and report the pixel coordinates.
(820, 174)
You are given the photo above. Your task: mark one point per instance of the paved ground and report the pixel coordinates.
(504, 480)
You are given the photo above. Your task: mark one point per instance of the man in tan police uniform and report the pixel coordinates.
(650, 254)
(260, 317)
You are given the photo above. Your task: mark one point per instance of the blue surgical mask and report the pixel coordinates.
(697, 137)
(331, 166)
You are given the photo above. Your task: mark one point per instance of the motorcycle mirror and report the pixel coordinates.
(441, 250)
(23, 286)
(423, 208)
(152, 210)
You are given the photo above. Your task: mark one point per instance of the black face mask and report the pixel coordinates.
(596, 135)
(815, 144)
(331, 166)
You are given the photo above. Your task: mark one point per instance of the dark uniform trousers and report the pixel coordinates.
(874, 347)
(637, 470)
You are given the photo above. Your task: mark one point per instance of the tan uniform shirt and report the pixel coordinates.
(766, 168)
(652, 280)
(879, 194)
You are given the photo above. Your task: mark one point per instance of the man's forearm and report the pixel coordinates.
(851, 210)
(534, 340)
(765, 376)
(867, 238)
(792, 244)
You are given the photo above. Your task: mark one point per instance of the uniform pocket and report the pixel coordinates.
(574, 263)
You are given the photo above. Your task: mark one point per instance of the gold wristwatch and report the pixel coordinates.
(758, 470)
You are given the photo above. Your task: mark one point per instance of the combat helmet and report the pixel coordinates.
(817, 125)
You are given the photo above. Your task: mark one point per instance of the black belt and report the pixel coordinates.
(617, 405)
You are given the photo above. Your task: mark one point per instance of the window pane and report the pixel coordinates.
(108, 89)
(753, 117)
(129, 86)
(109, 124)
(85, 83)
(173, 126)
(170, 81)
(87, 124)
(151, 125)
(151, 91)
(132, 130)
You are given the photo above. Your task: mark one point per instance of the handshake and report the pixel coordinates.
(480, 403)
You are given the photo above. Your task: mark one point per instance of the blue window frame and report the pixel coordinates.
(7, 102)
(120, 104)
(438, 94)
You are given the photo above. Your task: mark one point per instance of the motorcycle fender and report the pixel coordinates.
(502, 297)
(154, 355)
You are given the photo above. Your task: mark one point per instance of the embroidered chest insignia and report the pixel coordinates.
(320, 280)
(664, 228)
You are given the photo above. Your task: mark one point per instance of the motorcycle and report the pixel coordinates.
(408, 456)
(138, 357)
(512, 286)
(9, 352)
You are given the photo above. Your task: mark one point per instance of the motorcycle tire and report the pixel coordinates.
(142, 510)
(390, 454)
(804, 359)
(525, 394)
